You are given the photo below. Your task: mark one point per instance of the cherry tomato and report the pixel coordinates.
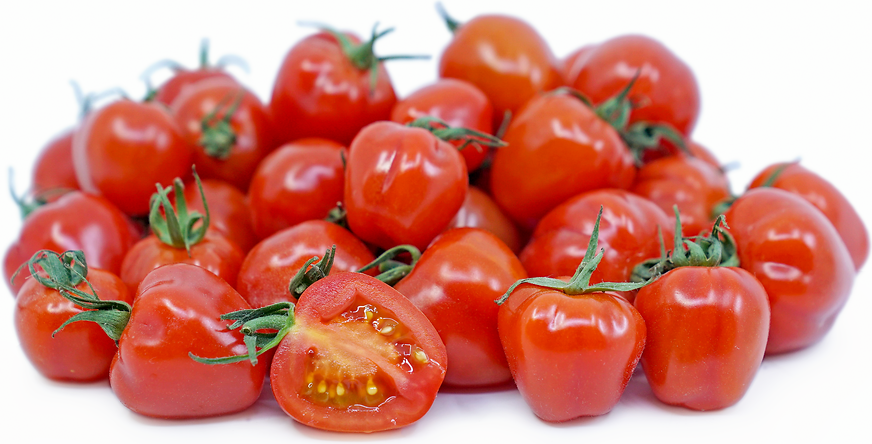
(183, 80)
(557, 148)
(300, 181)
(825, 197)
(568, 63)
(480, 211)
(123, 149)
(455, 284)
(459, 104)
(53, 169)
(402, 185)
(799, 258)
(228, 126)
(228, 209)
(359, 358)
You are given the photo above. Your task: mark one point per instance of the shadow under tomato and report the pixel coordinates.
(506, 387)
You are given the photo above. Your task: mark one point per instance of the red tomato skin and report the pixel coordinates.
(250, 122)
(177, 311)
(402, 185)
(269, 266)
(214, 253)
(300, 181)
(184, 79)
(320, 93)
(504, 57)
(480, 211)
(666, 86)
(459, 104)
(568, 63)
(455, 284)
(707, 331)
(323, 302)
(571, 356)
(825, 197)
(124, 148)
(81, 352)
(557, 148)
(628, 233)
(689, 182)
(53, 169)
(228, 211)
(105, 235)
(798, 256)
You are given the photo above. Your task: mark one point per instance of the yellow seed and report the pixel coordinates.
(369, 315)
(386, 330)
(310, 378)
(322, 387)
(371, 389)
(421, 357)
(340, 389)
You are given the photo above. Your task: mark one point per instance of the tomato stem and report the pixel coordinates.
(263, 329)
(451, 23)
(307, 276)
(218, 137)
(392, 271)
(441, 130)
(175, 226)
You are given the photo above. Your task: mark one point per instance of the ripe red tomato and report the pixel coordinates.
(359, 358)
(557, 148)
(825, 197)
(568, 63)
(300, 181)
(455, 284)
(480, 211)
(184, 78)
(799, 258)
(402, 185)
(53, 169)
(228, 211)
(123, 149)
(456, 102)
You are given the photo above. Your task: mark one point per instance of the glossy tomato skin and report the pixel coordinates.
(825, 197)
(707, 331)
(300, 181)
(53, 169)
(666, 87)
(76, 221)
(571, 356)
(269, 266)
(568, 63)
(250, 122)
(557, 148)
(480, 211)
(689, 182)
(320, 93)
(228, 211)
(184, 79)
(457, 102)
(402, 185)
(81, 352)
(795, 252)
(177, 311)
(455, 284)
(340, 336)
(504, 57)
(124, 148)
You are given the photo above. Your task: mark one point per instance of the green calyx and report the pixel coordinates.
(579, 284)
(217, 136)
(441, 130)
(307, 276)
(450, 23)
(176, 226)
(262, 328)
(338, 215)
(391, 270)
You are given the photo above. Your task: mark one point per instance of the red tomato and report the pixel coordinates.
(799, 258)
(707, 330)
(228, 210)
(825, 197)
(456, 102)
(228, 127)
(123, 149)
(177, 311)
(268, 268)
(480, 211)
(455, 284)
(183, 79)
(359, 358)
(53, 169)
(557, 148)
(504, 57)
(702, 153)
(402, 185)
(302, 180)
(321, 92)
(568, 64)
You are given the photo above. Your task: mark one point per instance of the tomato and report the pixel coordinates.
(402, 185)
(504, 57)
(557, 148)
(568, 63)
(454, 284)
(184, 78)
(123, 149)
(269, 266)
(799, 258)
(324, 89)
(228, 211)
(53, 169)
(689, 182)
(76, 221)
(480, 211)
(825, 197)
(228, 126)
(702, 153)
(458, 103)
(300, 181)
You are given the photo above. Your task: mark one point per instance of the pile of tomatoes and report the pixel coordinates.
(523, 219)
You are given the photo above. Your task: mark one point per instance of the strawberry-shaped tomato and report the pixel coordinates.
(825, 197)
(300, 181)
(454, 284)
(78, 352)
(53, 168)
(184, 78)
(480, 211)
(795, 252)
(572, 347)
(228, 211)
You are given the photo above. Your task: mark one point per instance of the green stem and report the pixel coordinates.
(218, 137)
(263, 329)
(176, 226)
(441, 130)
(392, 271)
(307, 276)
(450, 22)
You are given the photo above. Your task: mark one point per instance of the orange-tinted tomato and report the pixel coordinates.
(480, 211)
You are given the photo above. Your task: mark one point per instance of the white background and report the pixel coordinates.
(779, 81)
